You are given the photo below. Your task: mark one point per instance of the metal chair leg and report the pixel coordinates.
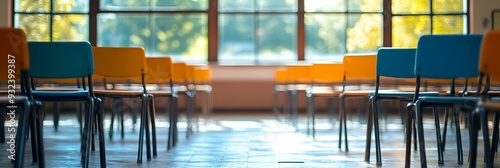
(421, 139)
(438, 136)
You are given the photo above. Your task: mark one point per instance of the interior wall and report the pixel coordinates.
(5, 13)
(481, 15)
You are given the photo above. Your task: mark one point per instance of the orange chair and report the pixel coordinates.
(360, 69)
(489, 70)
(119, 63)
(300, 77)
(183, 83)
(160, 70)
(14, 46)
(203, 80)
(326, 77)
(281, 80)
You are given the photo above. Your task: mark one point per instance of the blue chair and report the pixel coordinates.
(62, 60)
(441, 57)
(394, 63)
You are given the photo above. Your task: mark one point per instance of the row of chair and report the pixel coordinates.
(451, 59)
(94, 69)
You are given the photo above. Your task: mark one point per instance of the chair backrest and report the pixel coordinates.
(489, 62)
(396, 62)
(280, 75)
(448, 56)
(180, 75)
(328, 72)
(301, 74)
(120, 62)
(360, 67)
(202, 74)
(14, 49)
(60, 59)
(190, 73)
(159, 70)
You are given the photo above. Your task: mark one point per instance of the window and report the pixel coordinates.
(245, 31)
(164, 28)
(259, 31)
(411, 20)
(53, 20)
(333, 28)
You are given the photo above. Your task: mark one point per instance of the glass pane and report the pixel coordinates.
(449, 6)
(236, 37)
(364, 33)
(32, 5)
(365, 5)
(36, 26)
(180, 5)
(277, 5)
(323, 39)
(124, 5)
(407, 29)
(415, 6)
(71, 5)
(449, 25)
(237, 5)
(71, 27)
(182, 36)
(324, 6)
(123, 30)
(277, 36)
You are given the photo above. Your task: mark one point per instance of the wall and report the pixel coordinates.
(5, 13)
(481, 14)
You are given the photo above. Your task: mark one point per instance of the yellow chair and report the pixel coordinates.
(160, 70)
(203, 81)
(300, 77)
(281, 83)
(183, 84)
(326, 77)
(489, 70)
(119, 63)
(358, 69)
(14, 46)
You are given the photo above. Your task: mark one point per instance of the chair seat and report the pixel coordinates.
(491, 105)
(58, 88)
(324, 91)
(60, 95)
(118, 92)
(357, 92)
(387, 93)
(280, 88)
(204, 88)
(444, 99)
(18, 99)
(160, 93)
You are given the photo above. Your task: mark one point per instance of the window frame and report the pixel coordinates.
(213, 14)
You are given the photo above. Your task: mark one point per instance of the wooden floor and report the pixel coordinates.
(246, 139)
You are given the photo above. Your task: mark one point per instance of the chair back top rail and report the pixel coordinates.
(328, 72)
(180, 73)
(396, 62)
(489, 62)
(14, 49)
(159, 70)
(60, 59)
(120, 62)
(448, 56)
(360, 67)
